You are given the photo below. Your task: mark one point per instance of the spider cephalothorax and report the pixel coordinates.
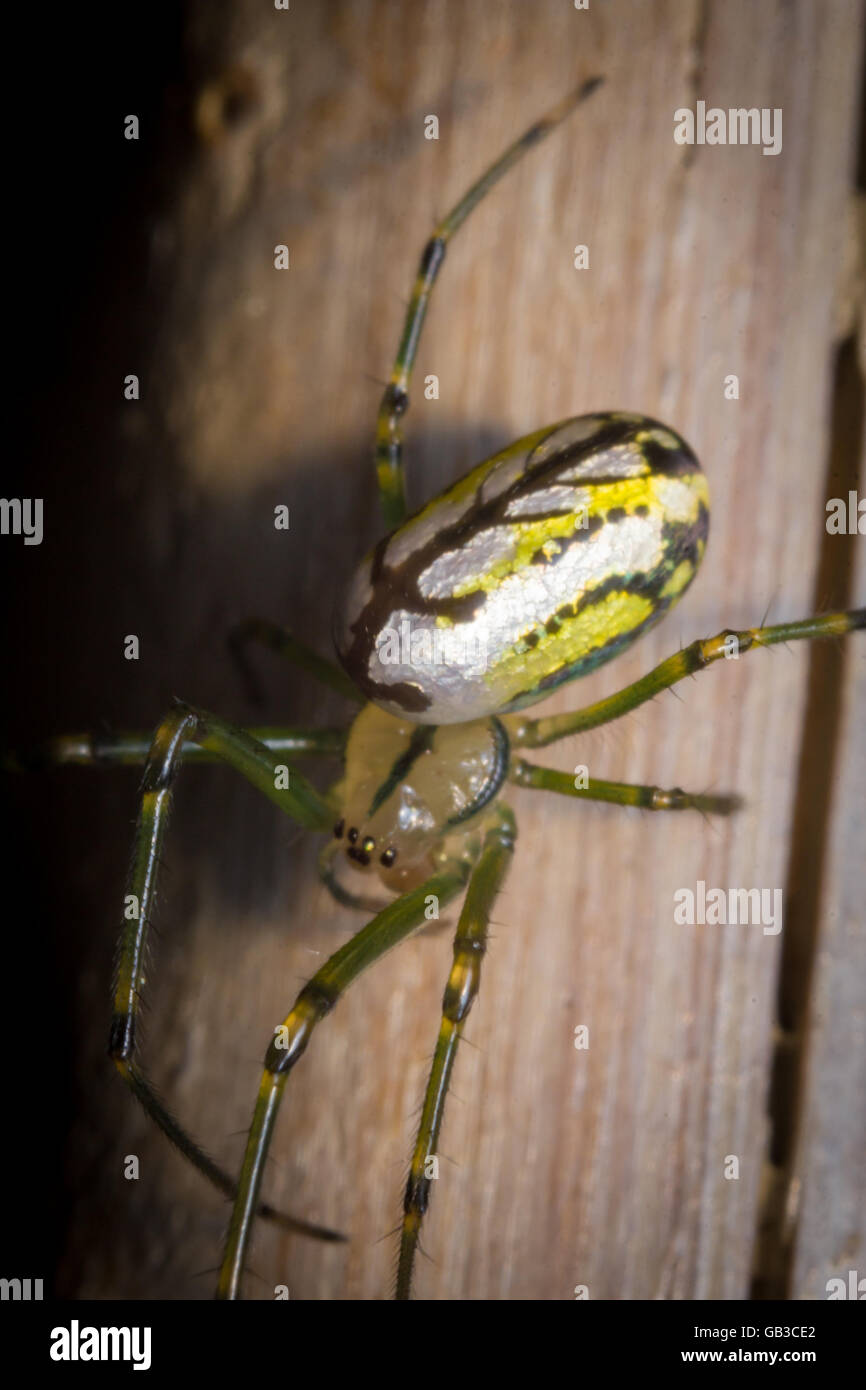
(408, 787)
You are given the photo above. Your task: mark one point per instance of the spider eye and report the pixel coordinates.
(368, 844)
(388, 856)
(352, 836)
(338, 829)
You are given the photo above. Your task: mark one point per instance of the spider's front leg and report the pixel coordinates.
(293, 794)
(132, 748)
(464, 980)
(390, 926)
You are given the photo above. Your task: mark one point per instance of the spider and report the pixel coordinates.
(542, 563)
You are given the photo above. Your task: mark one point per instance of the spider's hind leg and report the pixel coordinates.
(281, 641)
(395, 401)
(536, 733)
(525, 774)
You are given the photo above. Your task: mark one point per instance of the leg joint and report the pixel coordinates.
(432, 257)
(464, 980)
(417, 1195)
(291, 1038)
(121, 1037)
(395, 401)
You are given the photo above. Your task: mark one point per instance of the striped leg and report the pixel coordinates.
(535, 733)
(463, 983)
(390, 926)
(395, 401)
(621, 793)
(131, 749)
(262, 767)
(281, 641)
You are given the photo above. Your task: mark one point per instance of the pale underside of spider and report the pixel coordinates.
(540, 564)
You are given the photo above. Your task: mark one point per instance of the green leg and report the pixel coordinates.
(141, 1087)
(299, 800)
(131, 749)
(535, 733)
(281, 641)
(620, 793)
(463, 983)
(395, 401)
(390, 926)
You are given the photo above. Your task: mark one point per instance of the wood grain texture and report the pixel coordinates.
(604, 1167)
(827, 1191)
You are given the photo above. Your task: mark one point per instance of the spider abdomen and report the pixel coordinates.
(540, 564)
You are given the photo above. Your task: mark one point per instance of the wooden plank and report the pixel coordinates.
(828, 1189)
(605, 1167)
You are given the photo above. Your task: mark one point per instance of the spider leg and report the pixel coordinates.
(390, 926)
(395, 401)
(280, 640)
(463, 983)
(158, 1111)
(535, 733)
(262, 767)
(131, 749)
(620, 793)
